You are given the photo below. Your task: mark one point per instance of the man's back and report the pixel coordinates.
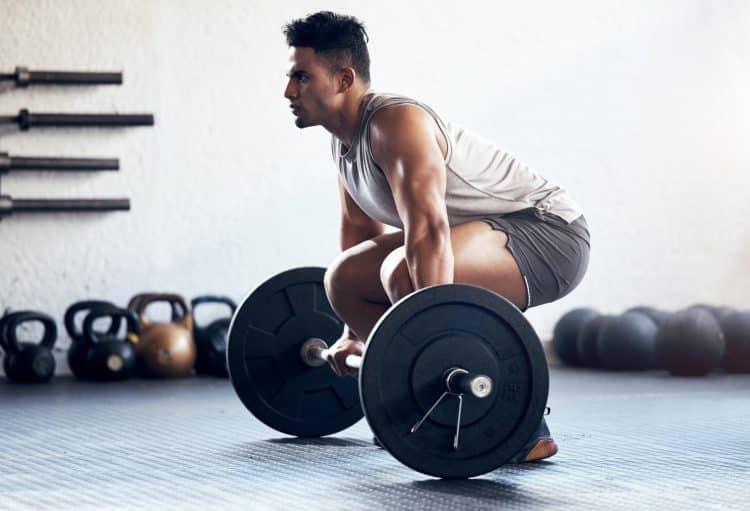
(482, 178)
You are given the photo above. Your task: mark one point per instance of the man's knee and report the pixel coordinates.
(394, 275)
(340, 274)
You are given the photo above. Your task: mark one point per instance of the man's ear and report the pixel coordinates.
(346, 77)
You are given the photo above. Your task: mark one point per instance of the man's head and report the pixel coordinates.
(328, 61)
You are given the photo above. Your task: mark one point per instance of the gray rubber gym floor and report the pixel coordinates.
(627, 441)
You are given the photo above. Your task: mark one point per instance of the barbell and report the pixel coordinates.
(314, 352)
(453, 381)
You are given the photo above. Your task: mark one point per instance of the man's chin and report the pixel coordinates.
(301, 123)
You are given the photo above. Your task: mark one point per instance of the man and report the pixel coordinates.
(466, 210)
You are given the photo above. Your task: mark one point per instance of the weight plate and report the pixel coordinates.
(265, 366)
(419, 340)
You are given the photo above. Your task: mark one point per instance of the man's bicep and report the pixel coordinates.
(407, 151)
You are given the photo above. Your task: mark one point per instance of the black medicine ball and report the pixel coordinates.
(587, 342)
(656, 315)
(626, 342)
(566, 333)
(690, 343)
(736, 329)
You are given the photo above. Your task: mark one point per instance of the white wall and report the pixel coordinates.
(640, 109)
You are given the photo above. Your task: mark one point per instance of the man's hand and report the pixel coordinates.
(339, 351)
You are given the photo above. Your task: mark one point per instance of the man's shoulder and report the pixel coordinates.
(396, 116)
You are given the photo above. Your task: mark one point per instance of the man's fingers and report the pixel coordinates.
(341, 363)
(332, 363)
(337, 361)
(345, 369)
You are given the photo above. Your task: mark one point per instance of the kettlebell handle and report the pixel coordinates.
(139, 303)
(88, 305)
(136, 300)
(203, 299)
(116, 313)
(11, 322)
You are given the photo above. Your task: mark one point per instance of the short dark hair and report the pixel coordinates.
(341, 40)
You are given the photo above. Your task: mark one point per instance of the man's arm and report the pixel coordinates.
(404, 144)
(356, 226)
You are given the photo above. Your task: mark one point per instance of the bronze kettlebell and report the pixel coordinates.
(164, 349)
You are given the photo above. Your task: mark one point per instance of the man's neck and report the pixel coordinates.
(344, 126)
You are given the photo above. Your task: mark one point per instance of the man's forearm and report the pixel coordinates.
(430, 261)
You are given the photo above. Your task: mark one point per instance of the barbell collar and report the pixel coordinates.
(461, 381)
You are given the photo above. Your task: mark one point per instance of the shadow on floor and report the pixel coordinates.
(371, 468)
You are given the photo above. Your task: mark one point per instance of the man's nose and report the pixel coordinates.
(290, 91)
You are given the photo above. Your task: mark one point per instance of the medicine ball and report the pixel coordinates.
(717, 311)
(626, 342)
(736, 329)
(588, 351)
(656, 315)
(690, 343)
(566, 332)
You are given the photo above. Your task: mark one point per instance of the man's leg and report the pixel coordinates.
(353, 285)
(364, 280)
(481, 258)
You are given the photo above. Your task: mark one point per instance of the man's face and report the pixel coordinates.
(311, 88)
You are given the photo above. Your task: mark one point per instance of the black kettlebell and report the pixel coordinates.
(108, 357)
(28, 362)
(211, 340)
(79, 347)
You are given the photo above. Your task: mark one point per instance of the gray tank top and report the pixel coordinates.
(482, 179)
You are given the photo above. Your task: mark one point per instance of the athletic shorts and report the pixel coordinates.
(553, 255)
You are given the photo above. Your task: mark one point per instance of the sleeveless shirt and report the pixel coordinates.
(482, 179)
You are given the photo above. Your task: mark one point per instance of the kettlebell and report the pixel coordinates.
(211, 340)
(164, 349)
(79, 347)
(107, 357)
(27, 362)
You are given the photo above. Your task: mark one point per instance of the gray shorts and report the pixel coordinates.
(553, 255)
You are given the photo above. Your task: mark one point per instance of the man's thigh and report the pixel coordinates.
(481, 258)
